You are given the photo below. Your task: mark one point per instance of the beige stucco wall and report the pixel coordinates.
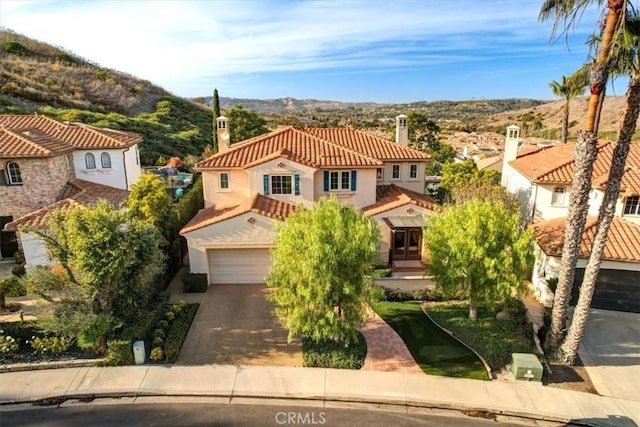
(284, 167)
(42, 181)
(238, 232)
(238, 187)
(404, 181)
(364, 195)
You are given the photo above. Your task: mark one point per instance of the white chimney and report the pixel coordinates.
(510, 152)
(402, 132)
(465, 152)
(222, 132)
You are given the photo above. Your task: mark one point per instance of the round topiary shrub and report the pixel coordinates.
(157, 354)
(163, 324)
(169, 316)
(159, 333)
(157, 342)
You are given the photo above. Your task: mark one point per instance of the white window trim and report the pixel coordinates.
(417, 177)
(399, 172)
(9, 177)
(563, 202)
(86, 164)
(340, 189)
(220, 182)
(108, 156)
(624, 207)
(281, 194)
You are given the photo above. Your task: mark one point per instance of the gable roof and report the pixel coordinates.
(623, 242)
(391, 196)
(43, 136)
(555, 165)
(76, 192)
(314, 147)
(258, 204)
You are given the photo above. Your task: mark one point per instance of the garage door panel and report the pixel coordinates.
(249, 265)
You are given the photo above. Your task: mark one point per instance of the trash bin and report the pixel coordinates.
(138, 352)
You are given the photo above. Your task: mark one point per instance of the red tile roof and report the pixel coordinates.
(341, 147)
(623, 242)
(555, 165)
(76, 192)
(42, 136)
(258, 204)
(391, 196)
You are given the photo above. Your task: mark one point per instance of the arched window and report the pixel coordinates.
(13, 170)
(105, 159)
(558, 197)
(90, 161)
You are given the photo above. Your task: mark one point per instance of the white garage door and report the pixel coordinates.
(238, 265)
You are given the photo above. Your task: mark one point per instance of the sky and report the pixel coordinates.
(359, 51)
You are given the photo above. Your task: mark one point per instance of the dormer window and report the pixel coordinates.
(13, 171)
(90, 161)
(632, 205)
(105, 160)
(559, 196)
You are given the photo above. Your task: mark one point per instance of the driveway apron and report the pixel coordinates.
(234, 325)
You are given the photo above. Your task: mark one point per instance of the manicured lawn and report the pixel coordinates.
(436, 352)
(494, 339)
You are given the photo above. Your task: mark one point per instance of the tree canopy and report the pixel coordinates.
(150, 203)
(319, 274)
(478, 249)
(455, 175)
(104, 271)
(244, 124)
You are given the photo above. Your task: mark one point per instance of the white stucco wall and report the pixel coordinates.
(364, 195)
(416, 184)
(113, 176)
(35, 250)
(284, 167)
(519, 185)
(236, 232)
(544, 208)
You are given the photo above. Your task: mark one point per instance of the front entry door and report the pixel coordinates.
(407, 244)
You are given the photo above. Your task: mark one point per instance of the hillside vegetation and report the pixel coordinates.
(35, 76)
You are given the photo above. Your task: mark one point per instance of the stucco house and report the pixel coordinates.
(252, 185)
(48, 163)
(542, 179)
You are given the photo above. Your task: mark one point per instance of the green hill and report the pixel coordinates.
(36, 76)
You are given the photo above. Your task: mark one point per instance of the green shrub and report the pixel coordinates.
(157, 342)
(330, 354)
(119, 353)
(14, 288)
(14, 47)
(8, 344)
(163, 324)
(18, 257)
(382, 272)
(177, 308)
(178, 332)
(169, 316)
(159, 333)
(552, 283)
(51, 345)
(156, 354)
(21, 331)
(195, 282)
(377, 293)
(18, 270)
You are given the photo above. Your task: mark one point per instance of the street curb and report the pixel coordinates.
(58, 364)
(467, 409)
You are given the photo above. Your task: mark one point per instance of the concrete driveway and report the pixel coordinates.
(610, 350)
(234, 325)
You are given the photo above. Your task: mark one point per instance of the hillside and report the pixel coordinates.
(35, 76)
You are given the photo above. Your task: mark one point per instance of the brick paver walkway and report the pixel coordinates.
(385, 349)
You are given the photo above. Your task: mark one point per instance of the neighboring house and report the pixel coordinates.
(41, 157)
(253, 185)
(542, 180)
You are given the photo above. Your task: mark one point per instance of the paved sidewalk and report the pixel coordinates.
(385, 349)
(324, 386)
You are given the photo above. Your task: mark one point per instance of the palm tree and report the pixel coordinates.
(626, 58)
(567, 89)
(567, 11)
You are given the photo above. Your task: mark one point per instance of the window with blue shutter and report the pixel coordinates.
(326, 180)
(265, 185)
(353, 180)
(296, 184)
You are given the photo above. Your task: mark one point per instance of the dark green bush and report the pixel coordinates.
(552, 283)
(18, 270)
(159, 333)
(330, 354)
(178, 332)
(21, 330)
(13, 288)
(157, 342)
(119, 353)
(399, 295)
(14, 47)
(382, 272)
(163, 324)
(195, 282)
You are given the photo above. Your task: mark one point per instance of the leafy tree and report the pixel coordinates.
(244, 124)
(150, 203)
(216, 113)
(459, 174)
(104, 272)
(422, 130)
(319, 275)
(566, 12)
(478, 249)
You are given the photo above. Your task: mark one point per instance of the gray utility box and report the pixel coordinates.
(526, 367)
(139, 353)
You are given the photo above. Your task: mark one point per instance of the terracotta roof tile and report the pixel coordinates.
(42, 136)
(623, 242)
(259, 204)
(76, 192)
(391, 196)
(315, 147)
